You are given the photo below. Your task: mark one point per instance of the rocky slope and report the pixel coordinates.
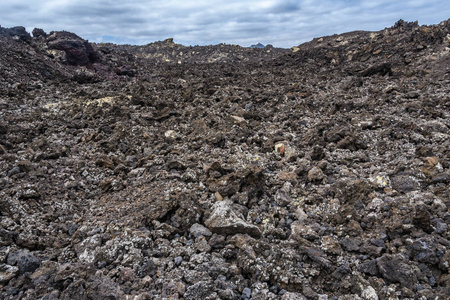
(137, 172)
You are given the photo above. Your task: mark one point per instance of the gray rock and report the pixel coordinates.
(439, 225)
(282, 197)
(292, 296)
(200, 290)
(178, 260)
(350, 244)
(7, 272)
(148, 269)
(317, 256)
(371, 249)
(369, 293)
(424, 251)
(224, 220)
(25, 261)
(197, 230)
(396, 269)
(246, 293)
(405, 183)
(75, 291)
(369, 267)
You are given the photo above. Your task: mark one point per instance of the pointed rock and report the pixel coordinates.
(224, 220)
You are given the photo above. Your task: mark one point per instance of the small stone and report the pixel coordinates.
(315, 175)
(7, 272)
(396, 269)
(201, 244)
(280, 148)
(170, 134)
(224, 220)
(148, 269)
(371, 250)
(405, 184)
(178, 260)
(369, 267)
(369, 293)
(282, 198)
(422, 219)
(238, 120)
(431, 161)
(309, 293)
(330, 245)
(301, 215)
(13, 171)
(199, 290)
(287, 176)
(246, 293)
(218, 196)
(25, 261)
(127, 274)
(174, 287)
(291, 295)
(216, 241)
(197, 230)
(381, 181)
(300, 232)
(423, 250)
(354, 228)
(350, 244)
(440, 226)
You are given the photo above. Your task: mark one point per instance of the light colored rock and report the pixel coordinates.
(238, 120)
(280, 148)
(369, 293)
(224, 220)
(171, 134)
(293, 296)
(197, 230)
(7, 272)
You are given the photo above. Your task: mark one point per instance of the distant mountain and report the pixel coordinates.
(259, 45)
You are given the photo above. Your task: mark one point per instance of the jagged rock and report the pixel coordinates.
(18, 32)
(315, 175)
(224, 220)
(38, 32)
(197, 230)
(77, 51)
(200, 290)
(7, 272)
(369, 267)
(369, 293)
(25, 261)
(293, 296)
(396, 269)
(405, 183)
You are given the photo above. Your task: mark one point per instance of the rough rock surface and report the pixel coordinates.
(222, 172)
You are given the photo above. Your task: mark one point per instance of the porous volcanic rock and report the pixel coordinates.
(225, 172)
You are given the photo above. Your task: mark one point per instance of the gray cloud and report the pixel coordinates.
(283, 23)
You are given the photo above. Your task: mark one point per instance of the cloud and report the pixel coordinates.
(283, 23)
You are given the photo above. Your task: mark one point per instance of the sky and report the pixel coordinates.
(283, 23)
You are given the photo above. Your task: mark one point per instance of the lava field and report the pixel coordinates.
(166, 171)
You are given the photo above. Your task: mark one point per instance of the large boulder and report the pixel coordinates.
(17, 32)
(77, 51)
